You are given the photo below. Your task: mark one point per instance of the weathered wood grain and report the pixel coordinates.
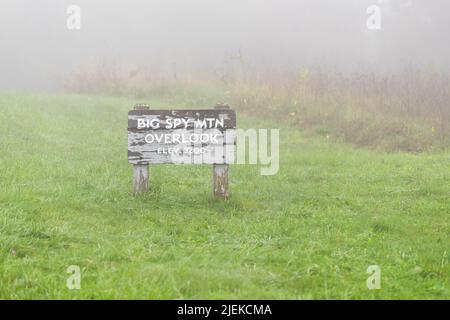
(140, 179)
(228, 115)
(220, 150)
(220, 181)
(221, 187)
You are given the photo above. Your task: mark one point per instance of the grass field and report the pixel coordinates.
(308, 232)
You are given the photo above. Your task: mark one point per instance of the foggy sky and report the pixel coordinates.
(37, 49)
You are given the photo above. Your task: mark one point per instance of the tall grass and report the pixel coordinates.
(406, 111)
(403, 111)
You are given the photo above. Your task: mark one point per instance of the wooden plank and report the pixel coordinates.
(229, 117)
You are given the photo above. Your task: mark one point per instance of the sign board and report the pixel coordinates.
(181, 136)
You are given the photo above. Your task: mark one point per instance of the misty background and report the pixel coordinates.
(38, 50)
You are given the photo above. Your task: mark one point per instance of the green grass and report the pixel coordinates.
(308, 232)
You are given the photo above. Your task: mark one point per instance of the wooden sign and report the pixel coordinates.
(182, 137)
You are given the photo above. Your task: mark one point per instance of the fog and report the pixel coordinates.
(38, 50)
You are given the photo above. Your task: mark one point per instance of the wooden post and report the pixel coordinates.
(220, 173)
(140, 171)
(220, 181)
(140, 178)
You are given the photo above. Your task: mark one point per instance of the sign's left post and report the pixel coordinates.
(140, 171)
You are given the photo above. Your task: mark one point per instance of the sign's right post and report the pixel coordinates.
(221, 187)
